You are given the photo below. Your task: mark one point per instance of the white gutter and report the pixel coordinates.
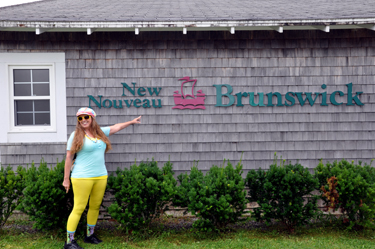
(278, 25)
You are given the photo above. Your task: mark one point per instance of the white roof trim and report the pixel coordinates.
(368, 26)
(278, 25)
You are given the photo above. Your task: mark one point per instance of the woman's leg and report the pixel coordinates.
(96, 198)
(81, 190)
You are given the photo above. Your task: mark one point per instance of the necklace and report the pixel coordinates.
(95, 140)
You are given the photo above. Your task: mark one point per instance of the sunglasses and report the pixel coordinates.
(86, 117)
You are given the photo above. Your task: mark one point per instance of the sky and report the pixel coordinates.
(4, 3)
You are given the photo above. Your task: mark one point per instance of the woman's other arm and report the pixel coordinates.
(68, 166)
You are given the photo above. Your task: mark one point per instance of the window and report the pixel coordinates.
(32, 97)
(31, 94)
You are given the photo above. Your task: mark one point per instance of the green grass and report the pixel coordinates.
(319, 236)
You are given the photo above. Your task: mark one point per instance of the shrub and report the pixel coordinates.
(11, 187)
(281, 194)
(331, 194)
(141, 194)
(46, 201)
(217, 199)
(355, 188)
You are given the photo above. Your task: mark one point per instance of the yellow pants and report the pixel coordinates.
(83, 188)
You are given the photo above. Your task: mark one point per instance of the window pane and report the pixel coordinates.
(23, 106)
(40, 75)
(22, 75)
(24, 119)
(41, 89)
(22, 89)
(42, 119)
(41, 105)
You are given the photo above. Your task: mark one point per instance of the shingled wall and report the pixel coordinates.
(257, 61)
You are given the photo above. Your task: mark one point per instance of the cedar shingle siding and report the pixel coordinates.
(249, 61)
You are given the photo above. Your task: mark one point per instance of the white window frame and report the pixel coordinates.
(57, 131)
(51, 98)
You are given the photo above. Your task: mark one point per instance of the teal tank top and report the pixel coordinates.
(90, 159)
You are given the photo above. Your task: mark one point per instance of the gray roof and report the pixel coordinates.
(162, 14)
(182, 10)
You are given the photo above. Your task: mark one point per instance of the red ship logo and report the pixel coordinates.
(189, 101)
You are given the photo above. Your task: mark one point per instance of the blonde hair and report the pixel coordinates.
(79, 136)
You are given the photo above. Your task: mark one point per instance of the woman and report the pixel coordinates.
(89, 175)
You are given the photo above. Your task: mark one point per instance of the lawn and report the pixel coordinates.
(19, 234)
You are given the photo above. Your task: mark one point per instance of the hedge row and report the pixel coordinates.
(284, 193)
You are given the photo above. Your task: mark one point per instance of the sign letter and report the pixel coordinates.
(219, 95)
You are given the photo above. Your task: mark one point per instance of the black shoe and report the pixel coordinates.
(72, 245)
(92, 239)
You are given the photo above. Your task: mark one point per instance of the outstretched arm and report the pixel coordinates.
(118, 127)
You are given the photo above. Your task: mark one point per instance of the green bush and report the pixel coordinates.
(281, 194)
(217, 199)
(11, 187)
(46, 201)
(356, 191)
(141, 194)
